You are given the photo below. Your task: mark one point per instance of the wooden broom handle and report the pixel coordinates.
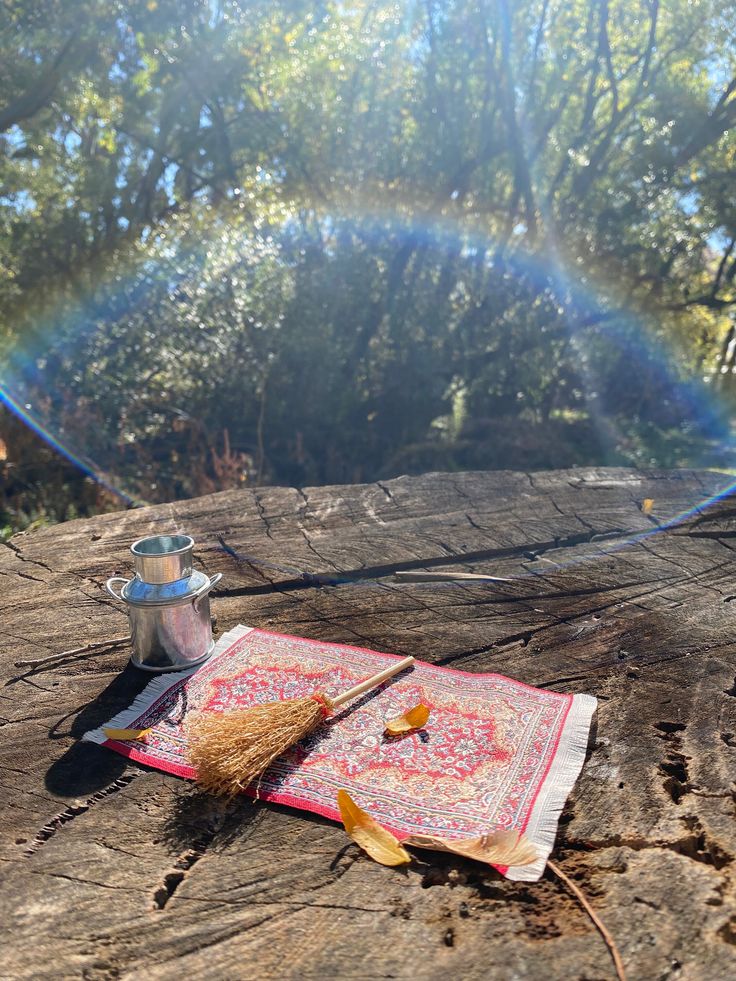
(372, 682)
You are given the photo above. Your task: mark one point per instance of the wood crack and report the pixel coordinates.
(304, 509)
(648, 628)
(218, 814)
(386, 491)
(66, 572)
(308, 580)
(262, 515)
(696, 847)
(22, 575)
(14, 548)
(79, 879)
(74, 810)
(522, 638)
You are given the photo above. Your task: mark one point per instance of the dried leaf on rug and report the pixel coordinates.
(415, 718)
(125, 735)
(507, 848)
(365, 831)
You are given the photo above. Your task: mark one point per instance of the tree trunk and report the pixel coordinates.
(113, 871)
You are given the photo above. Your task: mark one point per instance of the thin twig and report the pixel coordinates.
(580, 896)
(420, 576)
(97, 647)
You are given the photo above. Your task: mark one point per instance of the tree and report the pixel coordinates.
(356, 240)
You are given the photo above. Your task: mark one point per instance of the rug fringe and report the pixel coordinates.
(541, 829)
(158, 687)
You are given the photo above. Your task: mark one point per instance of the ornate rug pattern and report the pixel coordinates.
(495, 753)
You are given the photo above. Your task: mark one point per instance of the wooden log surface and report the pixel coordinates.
(114, 871)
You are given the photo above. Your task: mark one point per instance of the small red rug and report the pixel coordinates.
(495, 754)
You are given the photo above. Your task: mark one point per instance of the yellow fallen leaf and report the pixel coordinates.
(647, 504)
(497, 848)
(415, 718)
(368, 833)
(124, 735)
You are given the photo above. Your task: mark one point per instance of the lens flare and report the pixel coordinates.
(87, 466)
(588, 317)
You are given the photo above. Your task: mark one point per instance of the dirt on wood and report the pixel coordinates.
(114, 871)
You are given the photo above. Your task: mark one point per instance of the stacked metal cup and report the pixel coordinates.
(168, 604)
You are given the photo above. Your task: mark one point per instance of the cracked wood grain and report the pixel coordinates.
(74, 810)
(645, 623)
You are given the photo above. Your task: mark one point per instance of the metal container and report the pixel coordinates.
(168, 604)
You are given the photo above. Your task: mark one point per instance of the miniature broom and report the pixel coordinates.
(230, 749)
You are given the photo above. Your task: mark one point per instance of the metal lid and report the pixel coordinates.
(140, 593)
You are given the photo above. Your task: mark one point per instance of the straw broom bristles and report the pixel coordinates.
(230, 749)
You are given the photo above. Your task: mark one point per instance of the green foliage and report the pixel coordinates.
(317, 243)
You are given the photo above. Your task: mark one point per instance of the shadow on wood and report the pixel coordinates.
(85, 767)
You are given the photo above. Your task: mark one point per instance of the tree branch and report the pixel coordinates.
(40, 93)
